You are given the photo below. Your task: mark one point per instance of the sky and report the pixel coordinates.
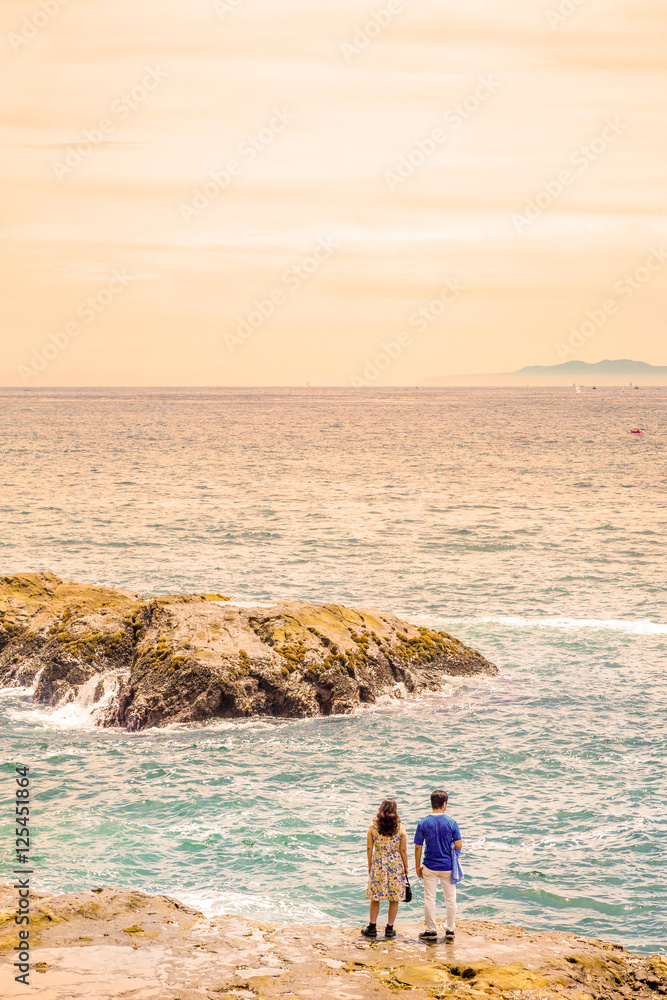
(329, 192)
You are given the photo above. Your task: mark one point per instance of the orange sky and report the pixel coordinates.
(261, 192)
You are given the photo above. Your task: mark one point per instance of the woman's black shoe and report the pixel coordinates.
(371, 931)
(389, 931)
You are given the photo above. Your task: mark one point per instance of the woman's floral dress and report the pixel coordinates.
(387, 878)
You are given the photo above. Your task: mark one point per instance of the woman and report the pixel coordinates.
(387, 849)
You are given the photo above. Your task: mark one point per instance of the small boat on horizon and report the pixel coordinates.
(636, 430)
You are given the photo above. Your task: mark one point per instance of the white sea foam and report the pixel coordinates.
(400, 697)
(641, 627)
(213, 904)
(246, 604)
(20, 690)
(91, 699)
(633, 627)
(13, 690)
(216, 725)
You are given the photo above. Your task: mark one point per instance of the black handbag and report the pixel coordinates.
(408, 889)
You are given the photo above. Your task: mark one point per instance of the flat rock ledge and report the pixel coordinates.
(138, 662)
(109, 943)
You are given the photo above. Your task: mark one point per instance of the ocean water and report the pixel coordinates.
(528, 522)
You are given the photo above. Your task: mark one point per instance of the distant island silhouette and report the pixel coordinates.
(618, 372)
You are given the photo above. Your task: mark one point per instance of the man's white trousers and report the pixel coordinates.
(431, 880)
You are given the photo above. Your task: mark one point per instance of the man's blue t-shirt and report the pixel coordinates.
(439, 832)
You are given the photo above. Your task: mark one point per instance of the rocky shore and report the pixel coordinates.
(140, 662)
(108, 943)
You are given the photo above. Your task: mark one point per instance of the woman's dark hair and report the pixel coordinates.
(387, 818)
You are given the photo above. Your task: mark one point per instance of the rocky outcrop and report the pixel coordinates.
(110, 943)
(186, 658)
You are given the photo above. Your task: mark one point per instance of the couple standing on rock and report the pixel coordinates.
(387, 849)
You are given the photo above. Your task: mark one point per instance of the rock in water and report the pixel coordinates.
(184, 658)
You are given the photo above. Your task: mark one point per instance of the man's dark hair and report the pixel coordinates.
(438, 799)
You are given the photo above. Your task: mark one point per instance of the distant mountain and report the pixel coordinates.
(620, 368)
(606, 372)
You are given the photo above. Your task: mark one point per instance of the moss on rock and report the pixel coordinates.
(189, 657)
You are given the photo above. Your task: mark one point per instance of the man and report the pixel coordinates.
(441, 834)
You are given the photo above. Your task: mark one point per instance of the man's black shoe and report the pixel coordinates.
(389, 931)
(430, 936)
(370, 931)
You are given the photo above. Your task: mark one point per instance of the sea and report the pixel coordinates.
(529, 522)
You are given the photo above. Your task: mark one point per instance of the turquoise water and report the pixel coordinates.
(527, 522)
